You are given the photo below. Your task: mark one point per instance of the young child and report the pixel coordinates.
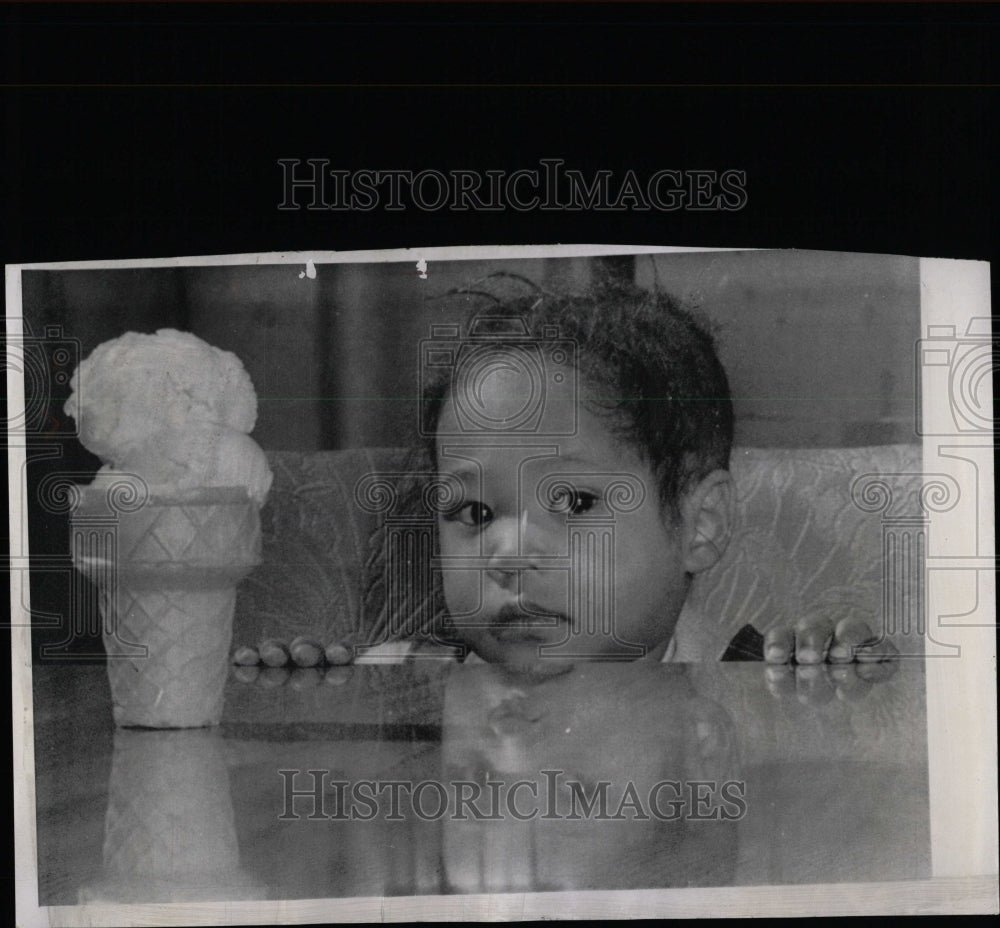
(581, 443)
(586, 439)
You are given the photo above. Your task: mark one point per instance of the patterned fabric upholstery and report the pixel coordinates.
(802, 547)
(806, 546)
(316, 540)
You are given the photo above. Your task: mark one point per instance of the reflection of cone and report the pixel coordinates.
(168, 579)
(169, 833)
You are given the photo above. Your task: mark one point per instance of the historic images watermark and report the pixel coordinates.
(323, 798)
(313, 184)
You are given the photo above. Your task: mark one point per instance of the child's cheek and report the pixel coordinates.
(461, 587)
(461, 591)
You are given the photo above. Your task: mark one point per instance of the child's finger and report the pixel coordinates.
(879, 649)
(337, 654)
(305, 652)
(812, 641)
(779, 645)
(246, 656)
(848, 634)
(274, 653)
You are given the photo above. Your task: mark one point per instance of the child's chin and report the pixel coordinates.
(524, 659)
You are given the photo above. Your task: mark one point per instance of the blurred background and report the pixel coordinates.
(819, 346)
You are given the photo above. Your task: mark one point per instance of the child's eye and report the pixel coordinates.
(575, 502)
(474, 513)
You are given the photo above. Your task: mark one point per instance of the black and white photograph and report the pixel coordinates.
(500, 462)
(558, 570)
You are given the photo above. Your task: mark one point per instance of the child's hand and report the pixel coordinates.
(301, 652)
(817, 641)
(300, 664)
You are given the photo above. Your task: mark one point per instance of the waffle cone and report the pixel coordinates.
(167, 573)
(168, 655)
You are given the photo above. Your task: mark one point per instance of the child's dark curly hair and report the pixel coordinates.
(651, 363)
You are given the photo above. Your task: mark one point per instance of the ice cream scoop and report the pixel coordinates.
(172, 409)
(201, 454)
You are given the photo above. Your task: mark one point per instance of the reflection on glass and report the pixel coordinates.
(169, 833)
(608, 776)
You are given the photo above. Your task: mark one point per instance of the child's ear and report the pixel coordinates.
(708, 512)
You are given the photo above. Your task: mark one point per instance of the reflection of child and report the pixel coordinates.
(610, 777)
(584, 440)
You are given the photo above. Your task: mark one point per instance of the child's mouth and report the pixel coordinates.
(514, 624)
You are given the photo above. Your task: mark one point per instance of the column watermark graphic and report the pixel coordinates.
(97, 594)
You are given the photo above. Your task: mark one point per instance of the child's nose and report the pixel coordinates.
(514, 543)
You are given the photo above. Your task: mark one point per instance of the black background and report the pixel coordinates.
(152, 130)
(147, 130)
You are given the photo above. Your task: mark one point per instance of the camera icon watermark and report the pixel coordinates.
(961, 368)
(543, 367)
(46, 362)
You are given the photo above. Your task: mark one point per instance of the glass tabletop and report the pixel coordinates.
(434, 777)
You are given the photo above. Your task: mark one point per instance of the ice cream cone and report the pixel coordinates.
(167, 572)
(169, 833)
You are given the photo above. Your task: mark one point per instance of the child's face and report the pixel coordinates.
(595, 582)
